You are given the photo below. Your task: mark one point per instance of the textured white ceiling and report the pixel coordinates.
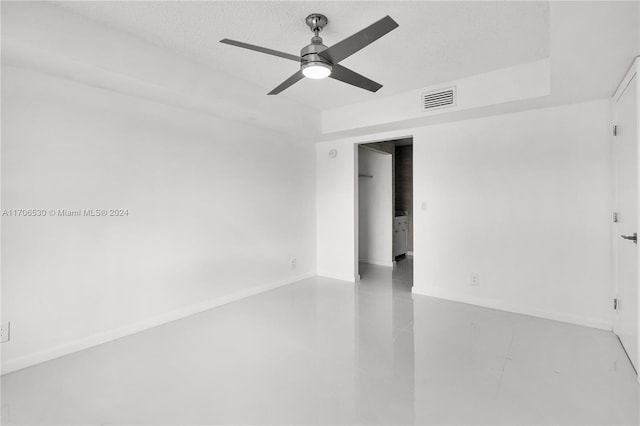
(436, 41)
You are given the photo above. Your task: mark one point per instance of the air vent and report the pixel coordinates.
(440, 98)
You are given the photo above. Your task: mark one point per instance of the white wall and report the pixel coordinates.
(216, 211)
(336, 202)
(525, 201)
(375, 207)
(522, 199)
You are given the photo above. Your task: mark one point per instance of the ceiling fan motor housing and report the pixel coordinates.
(310, 53)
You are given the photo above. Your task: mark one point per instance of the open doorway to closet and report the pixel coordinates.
(385, 204)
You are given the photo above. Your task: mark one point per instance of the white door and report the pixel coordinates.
(375, 207)
(626, 190)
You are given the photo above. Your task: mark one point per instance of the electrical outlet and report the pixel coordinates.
(294, 263)
(5, 331)
(475, 279)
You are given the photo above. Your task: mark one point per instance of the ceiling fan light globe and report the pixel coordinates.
(317, 71)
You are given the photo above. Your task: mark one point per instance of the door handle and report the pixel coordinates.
(633, 237)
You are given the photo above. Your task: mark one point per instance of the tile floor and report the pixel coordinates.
(328, 352)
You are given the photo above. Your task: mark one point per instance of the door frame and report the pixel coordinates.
(356, 195)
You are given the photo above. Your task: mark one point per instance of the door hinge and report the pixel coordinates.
(615, 304)
(615, 130)
(615, 217)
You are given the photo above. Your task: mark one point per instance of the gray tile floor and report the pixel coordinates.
(328, 352)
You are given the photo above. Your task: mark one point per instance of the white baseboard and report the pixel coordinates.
(377, 262)
(339, 277)
(509, 307)
(11, 365)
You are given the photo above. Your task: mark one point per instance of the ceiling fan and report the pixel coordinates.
(318, 61)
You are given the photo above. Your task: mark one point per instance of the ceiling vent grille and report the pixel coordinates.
(441, 98)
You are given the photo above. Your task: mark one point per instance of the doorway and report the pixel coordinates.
(385, 204)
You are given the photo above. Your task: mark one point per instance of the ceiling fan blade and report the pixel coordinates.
(359, 40)
(288, 82)
(351, 77)
(260, 49)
